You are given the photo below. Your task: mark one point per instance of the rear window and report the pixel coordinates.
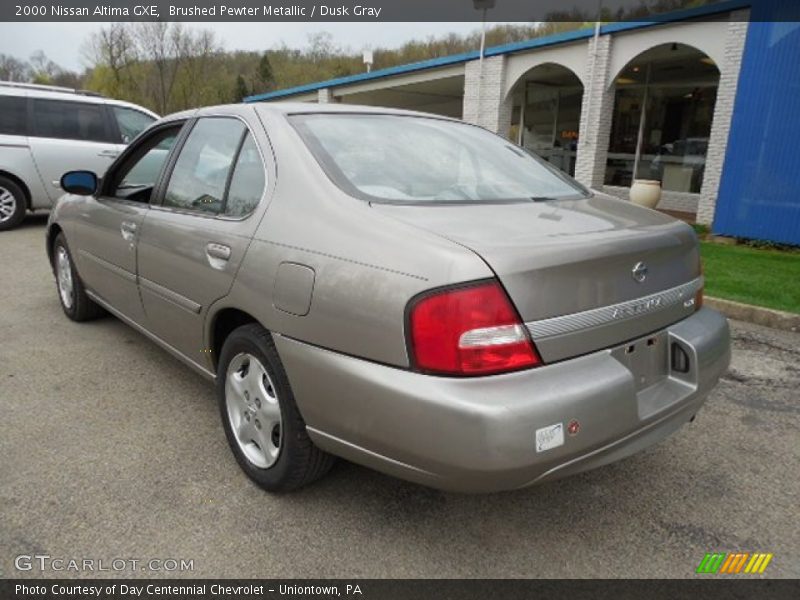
(13, 115)
(417, 160)
(71, 120)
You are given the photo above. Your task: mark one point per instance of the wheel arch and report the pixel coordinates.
(21, 184)
(52, 232)
(222, 323)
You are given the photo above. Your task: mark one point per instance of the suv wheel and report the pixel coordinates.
(12, 204)
(262, 423)
(76, 304)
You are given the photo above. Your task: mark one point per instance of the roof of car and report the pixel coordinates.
(29, 90)
(289, 108)
(312, 107)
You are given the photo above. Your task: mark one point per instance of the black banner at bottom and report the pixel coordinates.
(398, 589)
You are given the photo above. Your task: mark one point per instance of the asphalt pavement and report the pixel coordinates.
(111, 449)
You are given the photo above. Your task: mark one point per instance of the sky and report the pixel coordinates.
(63, 43)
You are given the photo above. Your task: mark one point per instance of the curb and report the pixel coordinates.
(759, 315)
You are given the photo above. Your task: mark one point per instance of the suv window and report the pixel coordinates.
(247, 182)
(200, 174)
(13, 115)
(131, 122)
(71, 120)
(136, 177)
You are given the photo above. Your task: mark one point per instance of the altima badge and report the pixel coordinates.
(639, 272)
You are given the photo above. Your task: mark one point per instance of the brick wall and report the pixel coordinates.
(682, 201)
(484, 104)
(597, 111)
(721, 125)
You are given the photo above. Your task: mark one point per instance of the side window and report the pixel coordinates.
(131, 122)
(201, 172)
(247, 182)
(70, 120)
(136, 177)
(13, 115)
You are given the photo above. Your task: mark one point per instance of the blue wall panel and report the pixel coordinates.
(759, 195)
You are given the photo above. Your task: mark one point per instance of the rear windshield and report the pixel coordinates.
(418, 160)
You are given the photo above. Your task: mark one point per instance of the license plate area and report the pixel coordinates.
(646, 358)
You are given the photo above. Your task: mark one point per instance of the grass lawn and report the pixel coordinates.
(764, 277)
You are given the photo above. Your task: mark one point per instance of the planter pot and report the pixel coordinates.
(646, 192)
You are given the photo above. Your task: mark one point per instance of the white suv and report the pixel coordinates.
(46, 131)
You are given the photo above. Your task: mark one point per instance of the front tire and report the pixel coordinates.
(12, 204)
(76, 303)
(263, 426)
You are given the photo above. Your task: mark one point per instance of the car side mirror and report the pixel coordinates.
(82, 183)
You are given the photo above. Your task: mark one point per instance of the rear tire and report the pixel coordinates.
(71, 293)
(265, 430)
(13, 204)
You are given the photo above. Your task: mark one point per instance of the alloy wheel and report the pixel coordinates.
(8, 204)
(64, 276)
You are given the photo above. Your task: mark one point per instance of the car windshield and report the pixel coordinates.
(418, 160)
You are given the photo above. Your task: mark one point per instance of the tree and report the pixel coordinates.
(266, 79)
(321, 46)
(240, 89)
(114, 48)
(158, 42)
(13, 69)
(200, 70)
(43, 69)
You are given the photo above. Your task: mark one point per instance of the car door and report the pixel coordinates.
(15, 152)
(193, 241)
(106, 230)
(70, 135)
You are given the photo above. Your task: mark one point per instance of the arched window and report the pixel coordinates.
(547, 113)
(663, 107)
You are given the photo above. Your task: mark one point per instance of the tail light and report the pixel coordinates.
(471, 330)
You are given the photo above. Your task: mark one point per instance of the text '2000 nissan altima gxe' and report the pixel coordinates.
(406, 291)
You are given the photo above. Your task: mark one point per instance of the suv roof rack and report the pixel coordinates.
(89, 93)
(49, 88)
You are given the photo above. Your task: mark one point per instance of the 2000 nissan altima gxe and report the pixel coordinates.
(407, 291)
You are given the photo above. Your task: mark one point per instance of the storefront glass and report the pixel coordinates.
(677, 86)
(551, 117)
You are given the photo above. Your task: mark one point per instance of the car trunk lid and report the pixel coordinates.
(569, 265)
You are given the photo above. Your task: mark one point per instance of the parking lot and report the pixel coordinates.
(110, 448)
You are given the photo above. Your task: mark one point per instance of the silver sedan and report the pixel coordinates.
(403, 290)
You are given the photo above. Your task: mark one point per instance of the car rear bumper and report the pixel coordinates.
(478, 434)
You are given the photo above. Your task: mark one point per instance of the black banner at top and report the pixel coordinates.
(384, 11)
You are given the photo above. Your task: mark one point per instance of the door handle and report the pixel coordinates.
(128, 230)
(218, 251)
(108, 153)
